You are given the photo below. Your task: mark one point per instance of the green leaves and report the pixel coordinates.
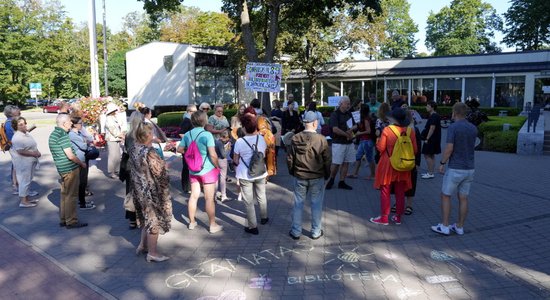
(528, 24)
(464, 27)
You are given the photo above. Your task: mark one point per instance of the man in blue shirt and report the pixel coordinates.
(459, 153)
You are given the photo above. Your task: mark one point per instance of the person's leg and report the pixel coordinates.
(260, 195)
(300, 192)
(112, 148)
(361, 150)
(143, 241)
(82, 187)
(70, 193)
(399, 187)
(317, 195)
(248, 198)
(334, 170)
(192, 202)
(369, 154)
(385, 201)
(445, 208)
(430, 162)
(223, 176)
(210, 206)
(152, 244)
(185, 184)
(22, 176)
(343, 171)
(463, 209)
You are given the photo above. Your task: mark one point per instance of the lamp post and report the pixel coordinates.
(93, 50)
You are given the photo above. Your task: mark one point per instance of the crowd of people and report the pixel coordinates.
(249, 144)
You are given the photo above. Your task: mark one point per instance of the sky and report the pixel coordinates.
(116, 10)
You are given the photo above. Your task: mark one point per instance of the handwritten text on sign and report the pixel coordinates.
(262, 77)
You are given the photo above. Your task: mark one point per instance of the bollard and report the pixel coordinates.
(505, 127)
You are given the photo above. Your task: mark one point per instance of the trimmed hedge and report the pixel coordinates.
(174, 118)
(448, 110)
(500, 141)
(494, 139)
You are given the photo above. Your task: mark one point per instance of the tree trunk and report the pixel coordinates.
(248, 37)
(312, 76)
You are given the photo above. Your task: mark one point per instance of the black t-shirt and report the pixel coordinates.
(340, 120)
(433, 119)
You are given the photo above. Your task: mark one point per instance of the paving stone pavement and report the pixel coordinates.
(503, 255)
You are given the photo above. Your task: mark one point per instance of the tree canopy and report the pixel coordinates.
(528, 24)
(464, 27)
(399, 29)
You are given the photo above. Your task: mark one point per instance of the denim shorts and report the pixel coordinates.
(365, 148)
(457, 180)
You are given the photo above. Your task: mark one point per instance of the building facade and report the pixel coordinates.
(170, 74)
(496, 80)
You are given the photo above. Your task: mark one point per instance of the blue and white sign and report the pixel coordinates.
(35, 86)
(263, 77)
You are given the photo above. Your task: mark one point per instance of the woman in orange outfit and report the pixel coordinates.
(386, 175)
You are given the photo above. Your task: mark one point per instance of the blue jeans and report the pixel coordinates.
(365, 148)
(314, 189)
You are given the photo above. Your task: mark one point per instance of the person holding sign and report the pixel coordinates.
(343, 152)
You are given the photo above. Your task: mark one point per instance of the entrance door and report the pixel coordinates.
(542, 91)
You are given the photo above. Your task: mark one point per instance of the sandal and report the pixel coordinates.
(132, 225)
(408, 211)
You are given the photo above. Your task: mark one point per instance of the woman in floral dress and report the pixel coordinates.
(150, 191)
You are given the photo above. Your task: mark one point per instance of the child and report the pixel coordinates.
(223, 149)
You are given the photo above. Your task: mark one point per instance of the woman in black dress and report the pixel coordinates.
(431, 136)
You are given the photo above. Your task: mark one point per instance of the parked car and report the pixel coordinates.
(52, 107)
(32, 102)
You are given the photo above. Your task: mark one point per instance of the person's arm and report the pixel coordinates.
(381, 144)
(430, 132)
(181, 147)
(445, 157)
(73, 158)
(29, 153)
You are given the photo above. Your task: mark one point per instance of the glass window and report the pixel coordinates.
(214, 82)
(399, 85)
(542, 98)
(479, 88)
(422, 91)
(449, 90)
(375, 87)
(509, 91)
(353, 90)
(330, 88)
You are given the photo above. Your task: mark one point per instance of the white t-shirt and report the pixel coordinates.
(245, 153)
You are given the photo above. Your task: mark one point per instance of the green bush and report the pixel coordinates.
(447, 111)
(170, 118)
(496, 124)
(174, 118)
(500, 141)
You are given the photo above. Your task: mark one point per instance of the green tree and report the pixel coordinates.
(191, 26)
(117, 74)
(464, 27)
(528, 24)
(311, 50)
(399, 28)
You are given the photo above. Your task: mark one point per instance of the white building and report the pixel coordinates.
(162, 74)
(496, 80)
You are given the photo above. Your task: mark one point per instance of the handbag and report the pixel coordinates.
(90, 153)
(124, 171)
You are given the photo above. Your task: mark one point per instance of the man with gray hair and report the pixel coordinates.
(308, 160)
(67, 164)
(290, 99)
(343, 150)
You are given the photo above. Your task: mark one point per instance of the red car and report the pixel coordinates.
(51, 107)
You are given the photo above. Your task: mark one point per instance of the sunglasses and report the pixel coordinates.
(205, 108)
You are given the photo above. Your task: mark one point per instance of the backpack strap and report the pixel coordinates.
(253, 149)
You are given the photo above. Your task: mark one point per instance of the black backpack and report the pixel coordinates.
(256, 166)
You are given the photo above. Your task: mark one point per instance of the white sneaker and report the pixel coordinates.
(456, 229)
(428, 176)
(441, 229)
(240, 197)
(33, 193)
(192, 226)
